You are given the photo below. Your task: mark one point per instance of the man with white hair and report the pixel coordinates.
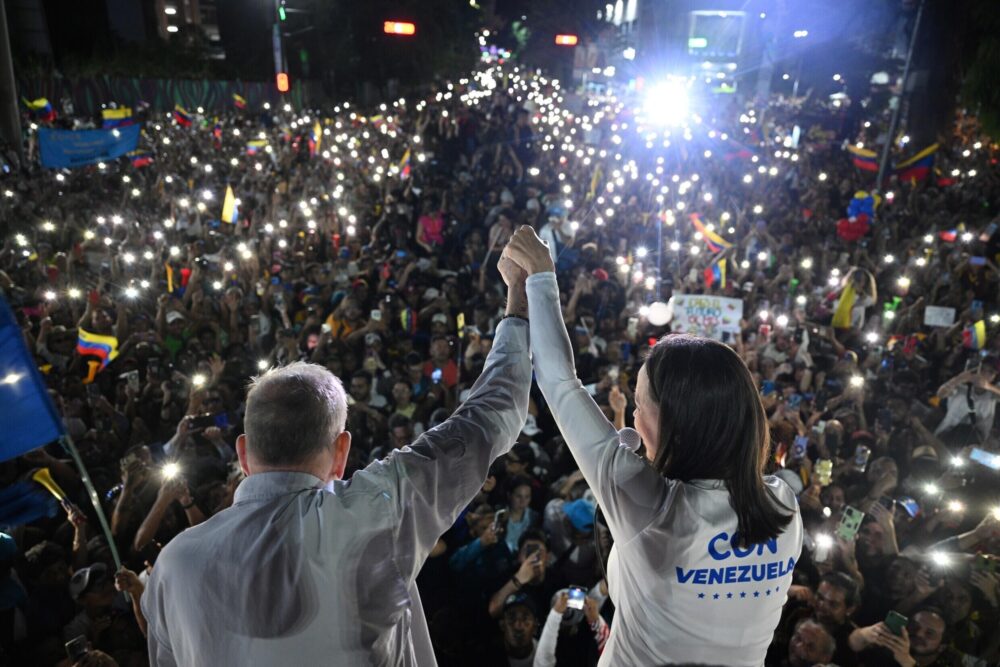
(307, 568)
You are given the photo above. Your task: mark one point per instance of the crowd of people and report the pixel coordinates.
(367, 241)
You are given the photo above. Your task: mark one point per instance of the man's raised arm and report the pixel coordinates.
(432, 480)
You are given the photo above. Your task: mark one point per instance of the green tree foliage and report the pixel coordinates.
(980, 90)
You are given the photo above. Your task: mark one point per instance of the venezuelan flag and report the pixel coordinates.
(239, 102)
(141, 158)
(974, 337)
(230, 209)
(716, 274)
(253, 147)
(104, 348)
(408, 321)
(863, 158)
(315, 138)
(917, 167)
(41, 108)
(116, 117)
(714, 242)
(217, 130)
(182, 116)
(404, 165)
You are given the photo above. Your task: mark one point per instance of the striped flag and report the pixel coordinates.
(315, 138)
(714, 242)
(141, 158)
(103, 347)
(255, 146)
(230, 209)
(863, 159)
(182, 116)
(404, 165)
(974, 337)
(116, 117)
(41, 108)
(716, 274)
(239, 102)
(918, 167)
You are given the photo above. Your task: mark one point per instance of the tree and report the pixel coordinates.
(982, 63)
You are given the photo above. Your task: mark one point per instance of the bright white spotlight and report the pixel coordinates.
(667, 103)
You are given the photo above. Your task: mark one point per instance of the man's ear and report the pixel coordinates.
(341, 448)
(241, 453)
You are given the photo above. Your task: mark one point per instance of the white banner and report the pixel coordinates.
(706, 315)
(939, 316)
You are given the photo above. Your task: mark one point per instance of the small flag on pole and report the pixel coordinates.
(230, 209)
(239, 102)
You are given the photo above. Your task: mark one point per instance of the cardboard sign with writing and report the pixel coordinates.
(706, 315)
(939, 316)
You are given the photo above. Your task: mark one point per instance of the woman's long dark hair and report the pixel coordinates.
(713, 426)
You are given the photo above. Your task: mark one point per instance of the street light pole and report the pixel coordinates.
(10, 118)
(894, 123)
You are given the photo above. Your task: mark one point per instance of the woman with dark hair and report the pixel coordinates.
(705, 544)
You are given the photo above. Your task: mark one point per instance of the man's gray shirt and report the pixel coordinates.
(298, 574)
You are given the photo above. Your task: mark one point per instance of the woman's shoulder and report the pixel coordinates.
(781, 490)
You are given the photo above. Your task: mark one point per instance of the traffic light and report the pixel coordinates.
(566, 40)
(282, 80)
(399, 28)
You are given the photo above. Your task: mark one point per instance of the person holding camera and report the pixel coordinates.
(308, 566)
(705, 544)
(533, 576)
(575, 618)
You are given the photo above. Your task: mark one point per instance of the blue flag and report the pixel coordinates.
(76, 148)
(29, 419)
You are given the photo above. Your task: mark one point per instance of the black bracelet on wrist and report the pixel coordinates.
(188, 506)
(517, 584)
(517, 317)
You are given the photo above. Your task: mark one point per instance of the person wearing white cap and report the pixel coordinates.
(705, 544)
